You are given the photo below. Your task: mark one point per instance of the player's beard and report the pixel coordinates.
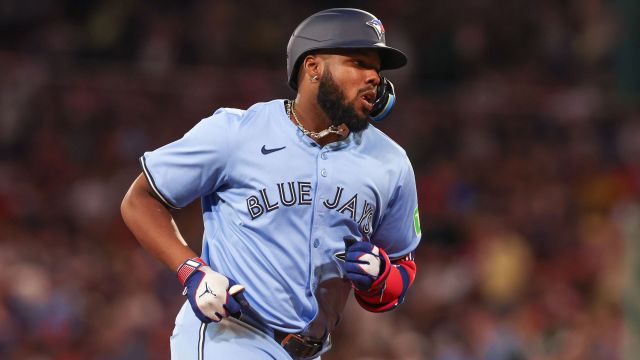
(332, 101)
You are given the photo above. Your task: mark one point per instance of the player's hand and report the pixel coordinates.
(365, 264)
(210, 294)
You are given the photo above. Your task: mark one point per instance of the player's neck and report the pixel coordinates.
(313, 118)
(310, 114)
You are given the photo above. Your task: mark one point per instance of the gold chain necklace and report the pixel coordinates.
(290, 107)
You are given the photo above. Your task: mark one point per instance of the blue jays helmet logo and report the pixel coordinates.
(377, 26)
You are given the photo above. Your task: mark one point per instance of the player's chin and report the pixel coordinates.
(358, 123)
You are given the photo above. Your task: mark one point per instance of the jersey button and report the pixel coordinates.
(323, 172)
(316, 243)
(324, 156)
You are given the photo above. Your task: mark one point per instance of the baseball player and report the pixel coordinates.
(302, 201)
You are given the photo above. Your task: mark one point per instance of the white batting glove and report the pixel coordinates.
(210, 293)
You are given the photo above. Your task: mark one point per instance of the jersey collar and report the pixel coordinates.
(351, 139)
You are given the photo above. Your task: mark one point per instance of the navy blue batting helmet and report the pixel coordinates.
(341, 28)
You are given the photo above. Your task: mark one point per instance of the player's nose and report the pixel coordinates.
(372, 77)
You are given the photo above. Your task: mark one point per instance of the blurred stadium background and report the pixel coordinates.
(521, 119)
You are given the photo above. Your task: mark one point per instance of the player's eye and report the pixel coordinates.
(364, 65)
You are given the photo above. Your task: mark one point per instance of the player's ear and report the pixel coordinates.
(311, 68)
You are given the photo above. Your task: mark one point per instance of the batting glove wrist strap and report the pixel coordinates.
(189, 267)
(402, 272)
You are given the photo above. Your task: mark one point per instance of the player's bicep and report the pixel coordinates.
(142, 187)
(139, 189)
(190, 167)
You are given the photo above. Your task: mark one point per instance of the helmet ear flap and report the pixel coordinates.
(385, 98)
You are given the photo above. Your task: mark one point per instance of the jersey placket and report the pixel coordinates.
(319, 212)
(325, 187)
(322, 188)
(317, 223)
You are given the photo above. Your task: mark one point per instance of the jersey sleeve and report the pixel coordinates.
(399, 230)
(192, 166)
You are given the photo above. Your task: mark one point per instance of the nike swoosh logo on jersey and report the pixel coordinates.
(266, 151)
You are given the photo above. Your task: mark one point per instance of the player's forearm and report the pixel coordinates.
(152, 224)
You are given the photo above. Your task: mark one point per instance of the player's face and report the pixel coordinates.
(347, 88)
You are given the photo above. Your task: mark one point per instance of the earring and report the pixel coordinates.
(314, 78)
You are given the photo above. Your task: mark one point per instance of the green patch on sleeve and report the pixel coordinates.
(416, 222)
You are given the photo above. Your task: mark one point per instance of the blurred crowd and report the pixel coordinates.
(519, 122)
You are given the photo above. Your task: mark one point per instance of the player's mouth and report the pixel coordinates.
(368, 98)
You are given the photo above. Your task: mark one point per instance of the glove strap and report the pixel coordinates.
(188, 268)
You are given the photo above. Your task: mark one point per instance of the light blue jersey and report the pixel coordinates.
(276, 207)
